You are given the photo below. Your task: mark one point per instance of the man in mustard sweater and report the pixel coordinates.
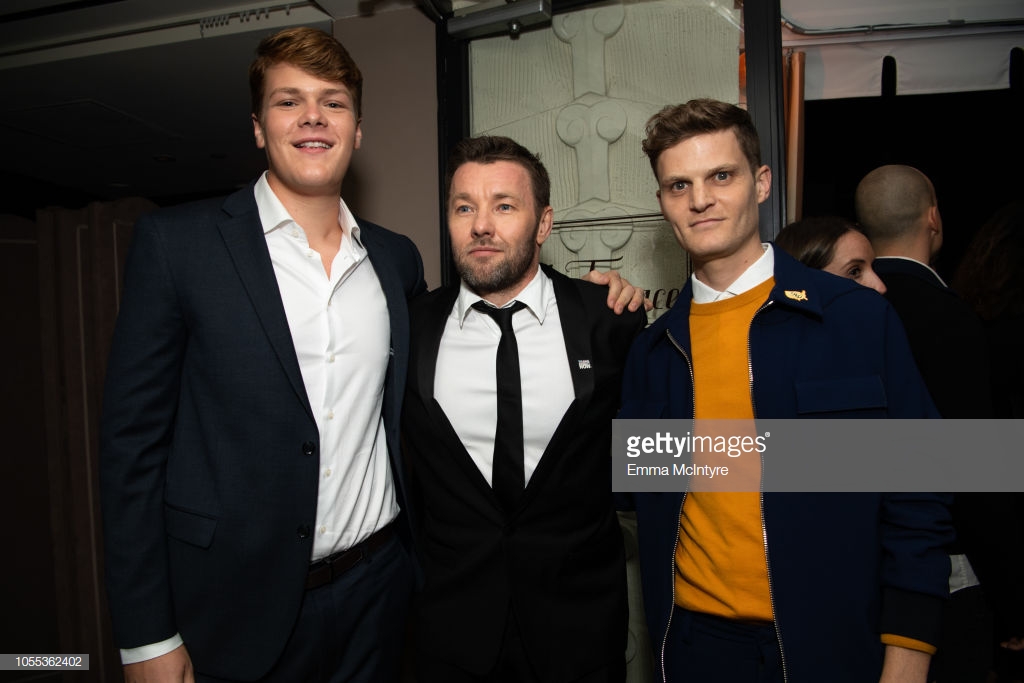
(751, 586)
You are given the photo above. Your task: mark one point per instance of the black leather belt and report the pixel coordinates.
(322, 572)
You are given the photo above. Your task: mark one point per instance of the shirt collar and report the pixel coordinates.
(758, 271)
(536, 295)
(274, 216)
(914, 260)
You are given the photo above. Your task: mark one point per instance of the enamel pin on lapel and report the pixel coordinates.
(584, 364)
(796, 295)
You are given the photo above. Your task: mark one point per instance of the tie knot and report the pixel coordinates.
(502, 316)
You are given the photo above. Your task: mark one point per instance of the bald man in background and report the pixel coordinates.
(898, 210)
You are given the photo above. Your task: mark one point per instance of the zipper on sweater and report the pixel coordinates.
(764, 527)
(693, 417)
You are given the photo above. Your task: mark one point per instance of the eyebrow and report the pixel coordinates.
(288, 90)
(496, 195)
(730, 168)
(672, 179)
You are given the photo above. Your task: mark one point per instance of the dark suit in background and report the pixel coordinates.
(210, 449)
(556, 561)
(946, 337)
(949, 345)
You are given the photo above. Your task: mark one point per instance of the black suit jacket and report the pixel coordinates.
(946, 337)
(557, 559)
(950, 347)
(209, 449)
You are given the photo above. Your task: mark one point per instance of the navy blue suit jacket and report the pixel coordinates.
(209, 458)
(843, 568)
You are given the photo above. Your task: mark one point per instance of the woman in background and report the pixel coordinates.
(834, 245)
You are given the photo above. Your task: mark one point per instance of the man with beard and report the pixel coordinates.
(513, 383)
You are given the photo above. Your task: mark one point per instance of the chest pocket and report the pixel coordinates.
(842, 397)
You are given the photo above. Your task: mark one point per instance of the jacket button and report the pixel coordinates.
(308, 448)
(303, 531)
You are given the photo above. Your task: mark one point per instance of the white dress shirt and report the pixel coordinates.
(342, 337)
(464, 381)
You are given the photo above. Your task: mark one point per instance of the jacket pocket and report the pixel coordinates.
(862, 396)
(190, 527)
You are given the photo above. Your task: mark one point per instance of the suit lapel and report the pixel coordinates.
(243, 235)
(430, 325)
(576, 334)
(391, 282)
(428, 342)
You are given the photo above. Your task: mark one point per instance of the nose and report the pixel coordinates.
(701, 197)
(871, 279)
(482, 224)
(311, 116)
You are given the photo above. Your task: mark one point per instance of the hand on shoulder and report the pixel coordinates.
(621, 294)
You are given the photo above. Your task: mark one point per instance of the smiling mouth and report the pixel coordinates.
(313, 145)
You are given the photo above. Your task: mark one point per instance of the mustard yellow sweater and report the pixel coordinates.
(721, 568)
(720, 559)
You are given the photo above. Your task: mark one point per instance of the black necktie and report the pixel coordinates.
(507, 477)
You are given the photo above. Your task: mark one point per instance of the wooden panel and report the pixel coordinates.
(29, 603)
(81, 256)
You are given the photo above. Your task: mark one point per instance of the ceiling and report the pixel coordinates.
(113, 98)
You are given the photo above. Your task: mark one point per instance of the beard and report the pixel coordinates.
(489, 278)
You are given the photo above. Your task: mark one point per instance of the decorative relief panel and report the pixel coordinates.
(579, 94)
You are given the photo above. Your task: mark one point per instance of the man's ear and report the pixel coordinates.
(934, 219)
(257, 132)
(763, 179)
(359, 133)
(544, 227)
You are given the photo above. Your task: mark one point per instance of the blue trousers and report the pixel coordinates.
(351, 630)
(706, 649)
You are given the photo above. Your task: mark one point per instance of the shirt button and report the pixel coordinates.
(327, 472)
(330, 414)
(323, 530)
(330, 358)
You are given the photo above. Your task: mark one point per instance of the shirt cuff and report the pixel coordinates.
(134, 655)
(908, 643)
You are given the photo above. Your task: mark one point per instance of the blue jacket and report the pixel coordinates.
(843, 568)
